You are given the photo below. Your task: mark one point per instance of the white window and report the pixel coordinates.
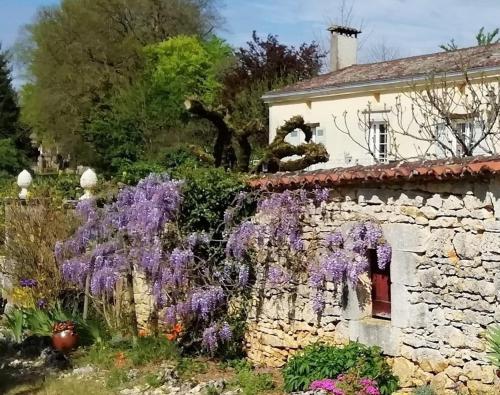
(448, 140)
(379, 141)
(318, 136)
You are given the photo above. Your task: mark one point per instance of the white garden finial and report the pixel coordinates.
(88, 181)
(24, 180)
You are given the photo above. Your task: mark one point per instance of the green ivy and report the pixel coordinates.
(320, 361)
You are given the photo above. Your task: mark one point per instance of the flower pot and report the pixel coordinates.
(65, 340)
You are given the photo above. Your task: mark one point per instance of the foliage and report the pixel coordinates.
(139, 121)
(251, 382)
(319, 361)
(81, 52)
(207, 193)
(186, 66)
(12, 160)
(39, 321)
(131, 173)
(15, 323)
(424, 390)
(142, 231)
(482, 38)
(33, 231)
(493, 339)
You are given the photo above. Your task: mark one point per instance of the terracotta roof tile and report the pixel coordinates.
(456, 168)
(415, 66)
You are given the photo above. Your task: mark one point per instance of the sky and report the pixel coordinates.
(412, 27)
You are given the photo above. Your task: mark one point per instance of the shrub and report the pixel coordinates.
(33, 231)
(424, 390)
(208, 192)
(251, 382)
(493, 339)
(319, 361)
(130, 173)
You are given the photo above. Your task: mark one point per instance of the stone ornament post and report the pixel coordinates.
(24, 181)
(88, 182)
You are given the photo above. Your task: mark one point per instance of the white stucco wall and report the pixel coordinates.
(322, 109)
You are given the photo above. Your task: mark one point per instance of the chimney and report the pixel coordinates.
(344, 47)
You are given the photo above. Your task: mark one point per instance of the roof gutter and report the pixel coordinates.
(370, 85)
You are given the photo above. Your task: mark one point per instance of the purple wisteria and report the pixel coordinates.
(347, 258)
(139, 232)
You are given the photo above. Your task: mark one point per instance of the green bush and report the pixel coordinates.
(131, 173)
(251, 382)
(424, 390)
(320, 361)
(493, 339)
(207, 194)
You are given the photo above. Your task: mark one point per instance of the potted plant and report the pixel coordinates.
(64, 336)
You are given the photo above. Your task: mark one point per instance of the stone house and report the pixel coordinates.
(379, 112)
(441, 291)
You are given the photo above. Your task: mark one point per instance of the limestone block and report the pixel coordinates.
(404, 268)
(451, 335)
(431, 360)
(429, 212)
(435, 201)
(444, 222)
(467, 245)
(374, 332)
(478, 388)
(440, 243)
(404, 370)
(453, 202)
(400, 306)
(406, 237)
(491, 243)
(441, 382)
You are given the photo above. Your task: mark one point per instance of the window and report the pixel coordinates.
(318, 136)
(448, 139)
(379, 141)
(381, 288)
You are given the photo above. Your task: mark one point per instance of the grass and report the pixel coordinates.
(250, 381)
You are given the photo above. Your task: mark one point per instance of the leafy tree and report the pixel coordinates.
(482, 38)
(241, 120)
(80, 53)
(142, 120)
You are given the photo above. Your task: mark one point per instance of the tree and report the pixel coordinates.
(482, 38)
(241, 119)
(149, 116)
(382, 52)
(13, 139)
(82, 52)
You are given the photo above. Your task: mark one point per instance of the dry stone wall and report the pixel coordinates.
(445, 274)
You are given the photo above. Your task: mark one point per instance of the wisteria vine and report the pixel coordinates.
(191, 283)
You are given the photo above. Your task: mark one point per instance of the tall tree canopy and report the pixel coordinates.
(80, 53)
(13, 140)
(150, 116)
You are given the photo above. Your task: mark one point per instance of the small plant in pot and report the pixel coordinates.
(64, 336)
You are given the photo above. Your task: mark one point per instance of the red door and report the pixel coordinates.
(381, 289)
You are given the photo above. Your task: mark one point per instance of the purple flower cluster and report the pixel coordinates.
(28, 283)
(278, 276)
(240, 240)
(347, 258)
(328, 385)
(214, 334)
(384, 254)
(204, 302)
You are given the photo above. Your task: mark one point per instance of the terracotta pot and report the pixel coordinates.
(65, 340)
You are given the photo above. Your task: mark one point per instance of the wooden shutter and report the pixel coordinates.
(381, 288)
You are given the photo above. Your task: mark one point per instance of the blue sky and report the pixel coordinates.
(412, 26)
